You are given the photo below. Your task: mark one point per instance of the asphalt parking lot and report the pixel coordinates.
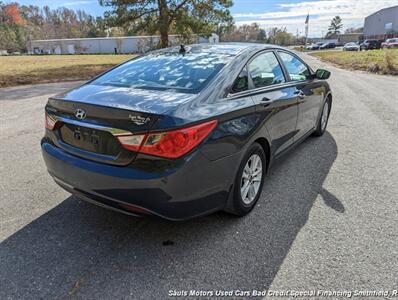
(327, 219)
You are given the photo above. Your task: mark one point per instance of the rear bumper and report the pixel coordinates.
(197, 187)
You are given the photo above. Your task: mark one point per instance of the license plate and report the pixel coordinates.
(89, 139)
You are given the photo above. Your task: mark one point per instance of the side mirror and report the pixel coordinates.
(322, 74)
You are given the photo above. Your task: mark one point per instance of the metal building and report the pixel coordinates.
(349, 37)
(382, 24)
(126, 44)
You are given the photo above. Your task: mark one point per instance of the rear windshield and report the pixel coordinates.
(189, 72)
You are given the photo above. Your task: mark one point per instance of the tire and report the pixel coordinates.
(323, 119)
(243, 200)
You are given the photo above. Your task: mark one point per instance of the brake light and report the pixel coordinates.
(51, 123)
(168, 144)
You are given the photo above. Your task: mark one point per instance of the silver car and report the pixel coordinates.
(351, 47)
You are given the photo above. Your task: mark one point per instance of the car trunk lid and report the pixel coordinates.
(92, 116)
(91, 131)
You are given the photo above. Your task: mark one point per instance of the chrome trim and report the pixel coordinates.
(263, 89)
(111, 130)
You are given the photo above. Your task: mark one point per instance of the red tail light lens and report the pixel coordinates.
(168, 144)
(51, 123)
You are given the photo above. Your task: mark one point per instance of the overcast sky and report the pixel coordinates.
(269, 13)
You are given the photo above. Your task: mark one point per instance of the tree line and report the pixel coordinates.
(21, 23)
(254, 33)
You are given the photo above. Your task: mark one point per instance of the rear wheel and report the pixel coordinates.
(248, 182)
(323, 121)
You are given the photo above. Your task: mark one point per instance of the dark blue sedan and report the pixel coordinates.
(185, 131)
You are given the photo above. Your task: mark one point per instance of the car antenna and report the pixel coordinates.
(182, 49)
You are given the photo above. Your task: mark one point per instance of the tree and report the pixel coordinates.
(245, 33)
(11, 14)
(164, 16)
(21, 23)
(284, 38)
(280, 36)
(262, 35)
(335, 25)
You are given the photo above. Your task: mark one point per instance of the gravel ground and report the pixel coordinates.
(327, 219)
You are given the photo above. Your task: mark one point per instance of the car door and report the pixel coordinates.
(308, 90)
(274, 99)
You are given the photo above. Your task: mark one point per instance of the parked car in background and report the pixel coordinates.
(180, 134)
(370, 45)
(312, 47)
(351, 47)
(390, 43)
(328, 45)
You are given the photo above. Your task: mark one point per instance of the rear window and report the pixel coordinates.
(189, 72)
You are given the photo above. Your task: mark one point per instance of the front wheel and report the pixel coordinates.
(323, 121)
(248, 182)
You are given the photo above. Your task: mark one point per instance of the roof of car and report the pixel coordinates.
(225, 48)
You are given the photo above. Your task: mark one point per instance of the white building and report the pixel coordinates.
(212, 39)
(126, 44)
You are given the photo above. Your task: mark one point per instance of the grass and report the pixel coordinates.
(18, 70)
(374, 61)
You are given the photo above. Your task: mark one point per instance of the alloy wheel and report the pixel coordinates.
(251, 179)
(325, 115)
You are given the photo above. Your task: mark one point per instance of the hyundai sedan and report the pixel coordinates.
(185, 131)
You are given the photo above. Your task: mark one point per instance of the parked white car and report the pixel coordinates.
(351, 47)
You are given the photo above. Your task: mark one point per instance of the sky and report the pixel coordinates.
(270, 13)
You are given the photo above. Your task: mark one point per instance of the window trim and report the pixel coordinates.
(236, 79)
(288, 83)
(298, 58)
(251, 88)
(250, 79)
(260, 90)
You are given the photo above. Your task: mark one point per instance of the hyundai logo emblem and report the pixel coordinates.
(80, 114)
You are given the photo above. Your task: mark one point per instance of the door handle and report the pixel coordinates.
(267, 101)
(300, 94)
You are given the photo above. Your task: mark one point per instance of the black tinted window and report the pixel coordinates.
(189, 72)
(265, 70)
(296, 69)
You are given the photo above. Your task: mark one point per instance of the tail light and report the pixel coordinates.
(168, 144)
(51, 123)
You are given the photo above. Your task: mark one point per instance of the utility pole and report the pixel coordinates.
(307, 21)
